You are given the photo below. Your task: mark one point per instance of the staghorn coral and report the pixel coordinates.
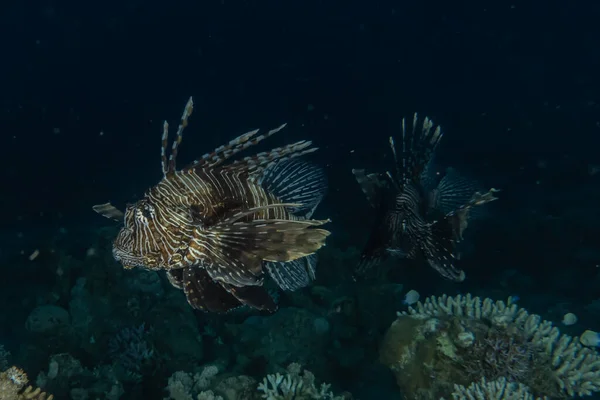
(296, 385)
(500, 389)
(12, 386)
(459, 340)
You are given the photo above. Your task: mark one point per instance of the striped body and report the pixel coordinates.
(216, 227)
(417, 215)
(406, 222)
(169, 224)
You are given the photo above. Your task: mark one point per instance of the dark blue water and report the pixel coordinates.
(84, 90)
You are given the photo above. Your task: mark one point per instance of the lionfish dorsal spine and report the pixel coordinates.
(398, 170)
(235, 146)
(256, 164)
(169, 165)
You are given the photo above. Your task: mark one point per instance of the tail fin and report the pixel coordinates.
(295, 181)
(419, 142)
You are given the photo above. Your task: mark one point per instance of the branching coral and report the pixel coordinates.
(132, 350)
(500, 389)
(501, 355)
(182, 385)
(12, 387)
(461, 339)
(296, 385)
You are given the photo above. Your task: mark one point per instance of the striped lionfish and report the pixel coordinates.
(217, 227)
(417, 213)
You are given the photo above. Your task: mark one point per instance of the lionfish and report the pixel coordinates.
(217, 227)
(417, 213)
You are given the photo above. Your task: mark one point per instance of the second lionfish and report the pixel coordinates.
(418, 213)
(218, 227)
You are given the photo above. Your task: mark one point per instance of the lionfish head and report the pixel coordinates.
(136, 244)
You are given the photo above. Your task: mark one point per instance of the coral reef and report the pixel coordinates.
(460, 340)
(132, 351)
(67, 378)
(207, 385)
(296, 384)
(500, 389)
(12, 386)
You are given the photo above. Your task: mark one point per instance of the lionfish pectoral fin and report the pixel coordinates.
(294, 181)
(271, 240)
(245, 270)
(479, 199)
(255, 165)
(439, 248)
(237, 249)
(203, 293)
(236, 215)
(253, 296)
(293, 275)
(372, 186)
(109, 211)
(456, 192)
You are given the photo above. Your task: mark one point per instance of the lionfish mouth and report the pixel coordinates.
(126, 258)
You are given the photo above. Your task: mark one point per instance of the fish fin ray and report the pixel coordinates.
(453, 192)
(203, 293)
(439, 248)
(109, 211)
(239, 248)
(461, 215)
(293, 275)
(242, 276)
(255, 165)
(235, 146)
(294, 181)
(168, 163)
(419, 142)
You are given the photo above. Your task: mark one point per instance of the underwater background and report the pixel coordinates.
(85, 87)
